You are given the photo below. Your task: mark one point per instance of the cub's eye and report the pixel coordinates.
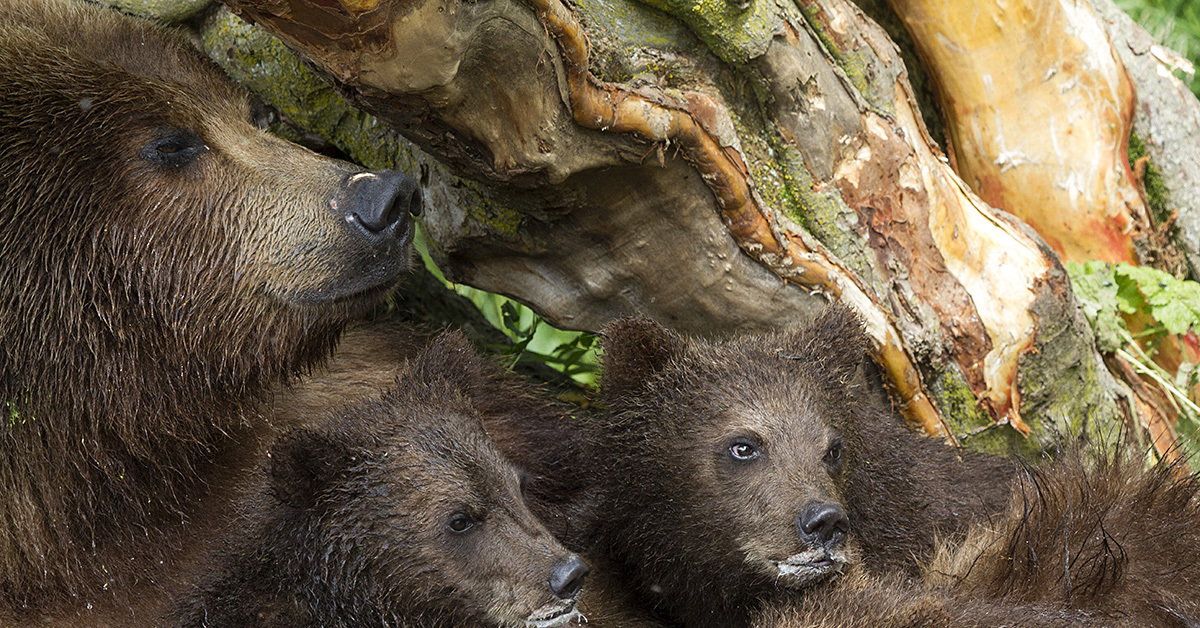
(460, 523)
(177, 148)
(833, 456)
(743, 450)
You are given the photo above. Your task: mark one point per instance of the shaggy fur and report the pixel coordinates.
(538, 433)
(1100, 534)
(1086, 541)
(701, 534)
(350, 527)
(145, 306)
(862, 601)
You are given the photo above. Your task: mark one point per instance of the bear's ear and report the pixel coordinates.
(634, 349)
(302, 463)
(449, 360)
(834, 342)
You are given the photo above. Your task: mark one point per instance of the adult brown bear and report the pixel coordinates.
(163, 264)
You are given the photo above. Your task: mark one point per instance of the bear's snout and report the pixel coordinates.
(379, 203)
(566, 578)
(823, 525)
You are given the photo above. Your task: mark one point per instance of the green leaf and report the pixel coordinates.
(1097, 290)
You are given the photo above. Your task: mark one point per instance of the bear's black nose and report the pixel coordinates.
(823, 525)
(566, 579)
(380, 202)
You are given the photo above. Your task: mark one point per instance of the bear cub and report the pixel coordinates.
(398, 511)
(741, 471)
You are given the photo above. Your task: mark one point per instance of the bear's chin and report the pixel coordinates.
(810, 566)
(366, 289)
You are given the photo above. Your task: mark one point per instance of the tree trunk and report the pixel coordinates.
(725, 166)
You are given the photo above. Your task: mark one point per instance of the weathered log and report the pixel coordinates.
(805, 120)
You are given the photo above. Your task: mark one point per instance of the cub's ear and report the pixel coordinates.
(634, 349)
(834, 343)
(449, 360)
(303, 463)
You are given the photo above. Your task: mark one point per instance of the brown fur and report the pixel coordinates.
(532, 429)
(349, 526)
(1100, 534)
(697, 532)
(1085, 541)
(862, 601)
(542, 436)
(145, 310)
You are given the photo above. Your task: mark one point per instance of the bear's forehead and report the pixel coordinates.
(114, 46)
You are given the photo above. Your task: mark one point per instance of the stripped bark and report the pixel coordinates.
(1037, 125)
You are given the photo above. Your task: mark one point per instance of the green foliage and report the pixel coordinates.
(571, 352)
(1173, 23)
(1109, 292)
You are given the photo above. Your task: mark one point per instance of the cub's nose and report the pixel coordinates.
(379, 203)
(566, 579)
(823, 525)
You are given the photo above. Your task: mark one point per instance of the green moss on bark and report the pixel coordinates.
(1157, 194)
(264, 65)
(733, 33)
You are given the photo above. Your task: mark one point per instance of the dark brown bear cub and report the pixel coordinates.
(399, 512)
(165, 263)
(740, 471)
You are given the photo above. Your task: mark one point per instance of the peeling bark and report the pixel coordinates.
(1037, 124)
(1167, 121)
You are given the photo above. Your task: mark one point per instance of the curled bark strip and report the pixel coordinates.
(1152, 413)
(610, 107)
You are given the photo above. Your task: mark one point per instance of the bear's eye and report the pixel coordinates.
(743, 450)
(177, 148)
(460, 523)
(833, 456)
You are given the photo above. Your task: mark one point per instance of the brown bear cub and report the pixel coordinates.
(400, 511)
(166, 262)
(737, 472)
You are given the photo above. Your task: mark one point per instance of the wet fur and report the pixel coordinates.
(1087, 540)
(1099, 533)
(667, 521)
(141, 313)
(331, 536)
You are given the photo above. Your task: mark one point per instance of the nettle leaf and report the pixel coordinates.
(1097, 290)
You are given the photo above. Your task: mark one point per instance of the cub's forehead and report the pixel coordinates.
(444, 451)
(777, 420)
